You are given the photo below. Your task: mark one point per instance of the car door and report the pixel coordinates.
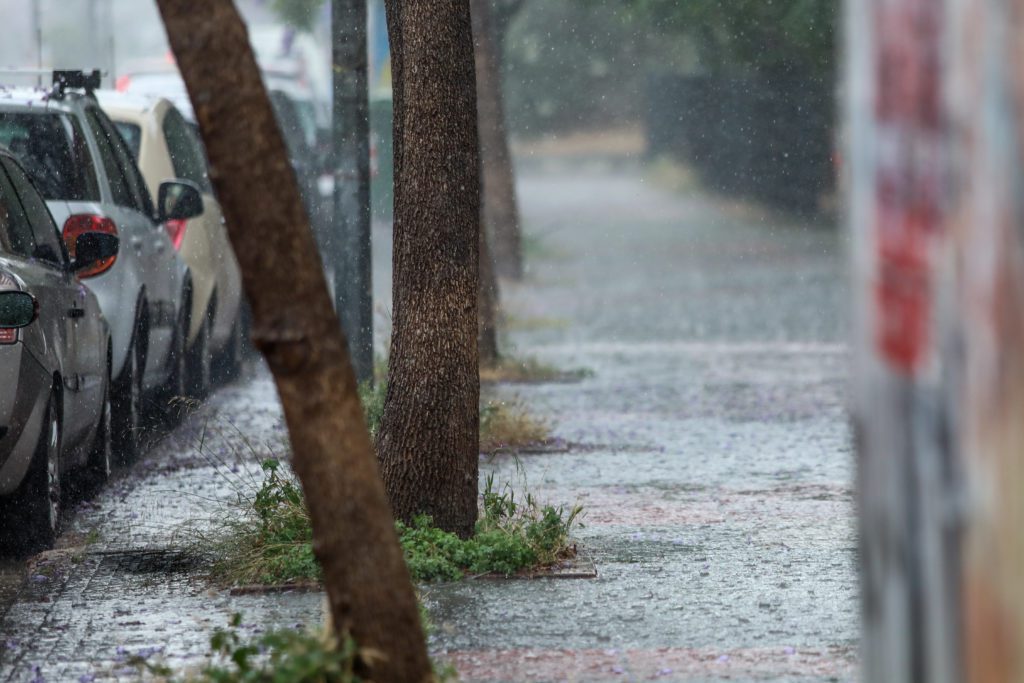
(189, 162)
(84, 333)
(46, 279)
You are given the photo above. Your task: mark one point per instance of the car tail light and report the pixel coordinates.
(176, 231)
(123, 83)
(8, 335)
(80, 224)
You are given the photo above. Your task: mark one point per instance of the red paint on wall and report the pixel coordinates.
(909, 177)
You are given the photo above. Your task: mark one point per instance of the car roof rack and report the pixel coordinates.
(63, 79)
(70, 79)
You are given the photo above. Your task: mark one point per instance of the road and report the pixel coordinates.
(710, 448)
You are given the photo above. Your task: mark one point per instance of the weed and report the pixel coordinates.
(511, 536)
(514, 323)
(529, 371)
(271, 540)
(283, 656)
(508, 426)
(372, 396)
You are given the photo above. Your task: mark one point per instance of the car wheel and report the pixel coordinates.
(128, 406)
(100, 462)
(32, 516)
(200, 363)
(236, 349)
(178, 383)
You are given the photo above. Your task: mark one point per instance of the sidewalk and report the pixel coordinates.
(714, 463)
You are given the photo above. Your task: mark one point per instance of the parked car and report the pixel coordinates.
(91, 183)
(165, 146)
(55, 362)
(301, 119)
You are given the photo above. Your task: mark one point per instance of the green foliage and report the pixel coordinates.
(284, 656)
(372, 396)
(272, 543)
(751, 34)
(511, 536)
(299, 14)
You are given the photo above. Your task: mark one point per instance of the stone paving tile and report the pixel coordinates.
(662, 664)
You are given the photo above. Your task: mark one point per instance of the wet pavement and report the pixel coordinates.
(712, 456)
(715, 461)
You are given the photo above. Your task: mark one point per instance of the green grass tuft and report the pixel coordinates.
(271, 543)
(511, 537)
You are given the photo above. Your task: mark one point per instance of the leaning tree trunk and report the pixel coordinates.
(500, 210)
(295, 327)
(428, 442)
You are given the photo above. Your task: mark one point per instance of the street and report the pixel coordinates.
(708, 443)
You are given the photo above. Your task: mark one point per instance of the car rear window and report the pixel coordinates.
(53, 151)
(132, 135)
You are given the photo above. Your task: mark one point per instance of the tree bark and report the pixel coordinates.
(295, 327)
(501, 211)
(428, 442)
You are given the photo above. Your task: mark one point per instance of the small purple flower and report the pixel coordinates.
(790, 650)
(86, 678)
(723, 658)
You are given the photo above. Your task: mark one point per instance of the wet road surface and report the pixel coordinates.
(713, 459)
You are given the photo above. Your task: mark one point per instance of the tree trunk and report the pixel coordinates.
(428, 443)
(487, 340)
(501, 212)
(295, 327)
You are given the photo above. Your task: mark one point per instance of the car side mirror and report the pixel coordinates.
(17, 309)
(179, 200)
(95, 253)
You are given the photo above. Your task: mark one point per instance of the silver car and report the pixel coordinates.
(55, 358)
(90, 181)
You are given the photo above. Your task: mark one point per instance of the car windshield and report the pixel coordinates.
(132, 134)
(54, 153)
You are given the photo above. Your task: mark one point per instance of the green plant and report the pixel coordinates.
(511, 536)
(372, 395)
(506, 425)
(281, 656)
(267, 538)
(530, 371)
(271, 542)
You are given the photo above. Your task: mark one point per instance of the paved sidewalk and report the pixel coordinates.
(716, 469)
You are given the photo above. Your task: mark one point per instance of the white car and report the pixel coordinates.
(165, 147)
(83, 168)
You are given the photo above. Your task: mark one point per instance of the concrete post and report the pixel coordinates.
(934, 176)
(352, 257)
